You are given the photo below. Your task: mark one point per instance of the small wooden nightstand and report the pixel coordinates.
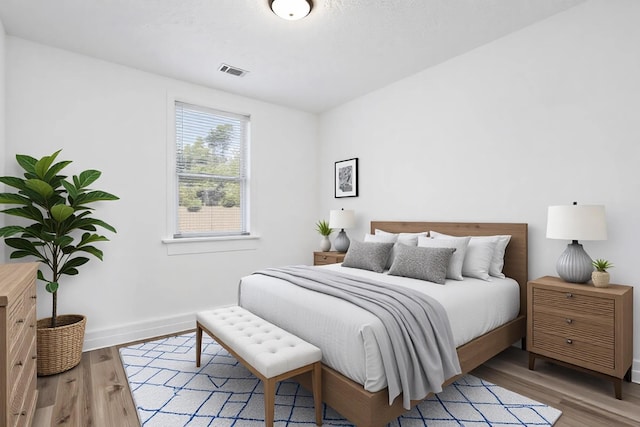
(582, 327)
(324, 258)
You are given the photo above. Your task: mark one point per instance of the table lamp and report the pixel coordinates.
(341, 219)
(576, 222)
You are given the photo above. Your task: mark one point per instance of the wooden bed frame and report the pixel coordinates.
(366, 409)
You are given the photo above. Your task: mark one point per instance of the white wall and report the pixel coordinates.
(115, 119)
(545, 116)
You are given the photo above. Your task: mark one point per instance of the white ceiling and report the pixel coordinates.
(343, 49)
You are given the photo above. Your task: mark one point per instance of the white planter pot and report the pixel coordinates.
(325, 244)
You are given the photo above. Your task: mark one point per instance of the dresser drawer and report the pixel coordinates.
(572, 302)
(324, 258)
(22, 400)
(597, 331)
(573, 349)
(21, 364)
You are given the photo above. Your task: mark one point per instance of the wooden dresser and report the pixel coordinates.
(330, 257)
(18, 392)
(581, 326)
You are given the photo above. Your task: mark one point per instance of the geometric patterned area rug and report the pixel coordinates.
(169, 391)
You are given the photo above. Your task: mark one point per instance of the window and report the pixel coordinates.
(211, 172)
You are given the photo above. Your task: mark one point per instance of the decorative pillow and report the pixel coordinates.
(478, 258)
(367, 255)
(422, 263)
(384, 238)
(454, 270)
(497, 260)
(409, 239)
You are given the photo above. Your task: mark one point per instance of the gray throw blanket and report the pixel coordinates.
(422, 354)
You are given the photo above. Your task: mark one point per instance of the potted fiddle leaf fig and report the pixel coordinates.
(57, 227)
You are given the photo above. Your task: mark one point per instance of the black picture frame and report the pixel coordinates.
(346, 178)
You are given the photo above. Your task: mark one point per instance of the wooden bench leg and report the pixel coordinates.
(316, 385)
(269, 385)
(198, 344)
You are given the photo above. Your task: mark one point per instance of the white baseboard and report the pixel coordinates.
(635, 371)
(138, 331)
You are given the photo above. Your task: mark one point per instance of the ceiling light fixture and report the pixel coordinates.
(291, 10)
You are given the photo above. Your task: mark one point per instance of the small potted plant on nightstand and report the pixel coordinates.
(323, 228)
(600, 276)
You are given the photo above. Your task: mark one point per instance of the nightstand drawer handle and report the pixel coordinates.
(324, 257)
(569, 295)
(569, 321)
(569, 341)
(19, 321)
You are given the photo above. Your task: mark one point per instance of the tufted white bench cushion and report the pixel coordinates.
(269, 352)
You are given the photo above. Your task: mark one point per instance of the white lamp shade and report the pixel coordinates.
(291, 9)
(577, 222)
(342, 218)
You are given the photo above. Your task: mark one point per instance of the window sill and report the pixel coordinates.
(201, 245)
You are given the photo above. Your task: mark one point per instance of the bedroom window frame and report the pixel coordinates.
(206, 241)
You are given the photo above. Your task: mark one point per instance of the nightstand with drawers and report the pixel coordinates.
(331, 257)
(582, 327)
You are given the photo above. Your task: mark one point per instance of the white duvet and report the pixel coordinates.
(344, 332)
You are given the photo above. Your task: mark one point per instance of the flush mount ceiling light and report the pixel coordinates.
(291, 10)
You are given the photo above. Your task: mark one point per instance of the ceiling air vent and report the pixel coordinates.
(234, 71)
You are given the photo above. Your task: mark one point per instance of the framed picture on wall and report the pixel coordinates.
(346, 178)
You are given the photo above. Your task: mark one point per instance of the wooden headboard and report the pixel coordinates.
(516, 263)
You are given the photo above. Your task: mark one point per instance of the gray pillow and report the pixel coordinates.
(367, 255)
(422, 263)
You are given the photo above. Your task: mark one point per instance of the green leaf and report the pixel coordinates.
(14, 182)
(89, 223)
(61, 212)
(42, 165)
(63, 241)
(71, 271)
(71, 264)
(28, 163)
(90, 238)
(87, 177)
(71, 189)
(19, 254)
(53, 171)
(40, 187)
(94, 196)
(51, 287)
(29, 212)
(13, 199)
(41, 276)
(23, 245)
(92, 250)
(10, 230)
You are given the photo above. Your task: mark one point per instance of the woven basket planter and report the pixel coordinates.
(60, 348)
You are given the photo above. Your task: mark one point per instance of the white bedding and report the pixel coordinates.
(344, 332)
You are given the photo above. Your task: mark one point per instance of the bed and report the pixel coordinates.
(363, 398)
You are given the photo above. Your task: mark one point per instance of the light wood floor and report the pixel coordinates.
(96, 393)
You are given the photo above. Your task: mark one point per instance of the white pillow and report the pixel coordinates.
(497, 261)
(409, 239)
(384, 238)
(454, 270)
(477, 260)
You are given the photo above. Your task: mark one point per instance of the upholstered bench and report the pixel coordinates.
(270, 353)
